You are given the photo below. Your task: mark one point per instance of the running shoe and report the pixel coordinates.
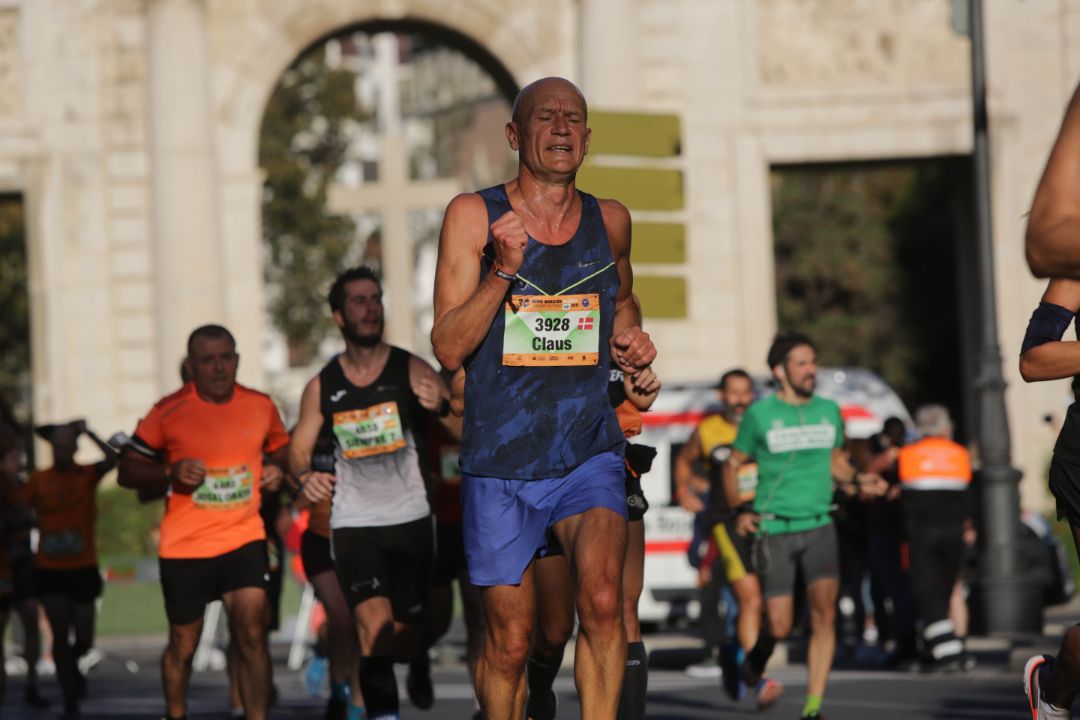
(768, 692)
(315, 676)
(813, 716)
(1034, 676)
(731, 657)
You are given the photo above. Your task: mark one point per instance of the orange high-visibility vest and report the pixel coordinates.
(935, 464)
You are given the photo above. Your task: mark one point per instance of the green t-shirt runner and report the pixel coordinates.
(793, 446)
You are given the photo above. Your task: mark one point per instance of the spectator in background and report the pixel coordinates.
(14, 520)
(67, 580)
(935, 474)
(886, 523)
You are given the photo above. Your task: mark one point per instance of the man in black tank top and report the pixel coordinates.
(539, 452)
(374, 401)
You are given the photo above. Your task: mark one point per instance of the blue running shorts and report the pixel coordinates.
(506, 521)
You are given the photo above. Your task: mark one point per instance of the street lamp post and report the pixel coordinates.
(1003, 592)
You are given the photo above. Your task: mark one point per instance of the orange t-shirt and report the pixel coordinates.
(221, 514)
(65, 504)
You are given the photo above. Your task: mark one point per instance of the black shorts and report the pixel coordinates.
(315, 554)
(449, 554)
(1065, 487)
(392, 562)
(778, 557)
(83, 585)
(189, 584)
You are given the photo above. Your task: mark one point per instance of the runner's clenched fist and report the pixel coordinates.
(510, 241)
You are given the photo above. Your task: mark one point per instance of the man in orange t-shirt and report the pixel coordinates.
(66, 576)
(206, 445)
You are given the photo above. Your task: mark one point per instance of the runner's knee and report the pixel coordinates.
(599, 603)
(509, 646)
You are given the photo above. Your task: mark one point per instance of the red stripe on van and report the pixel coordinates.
(653, 419)
(667, 546)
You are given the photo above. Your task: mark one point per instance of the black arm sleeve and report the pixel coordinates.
(1048, 324)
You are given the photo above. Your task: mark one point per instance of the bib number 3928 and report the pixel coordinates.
(552, 330)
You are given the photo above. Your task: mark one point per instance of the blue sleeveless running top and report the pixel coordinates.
(535, 423)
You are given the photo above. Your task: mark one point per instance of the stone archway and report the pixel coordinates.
(247, 52)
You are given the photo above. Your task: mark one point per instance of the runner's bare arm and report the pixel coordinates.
(642, 388)
(314, 486)
(434, 396)
(852, 480)
(1056, 359)
(109, 462)
(631, 347)
(457, 393)
(150, 476)
(465, 303)
(1054, 223)
(687, 483)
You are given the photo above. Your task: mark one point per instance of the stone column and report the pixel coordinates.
(610, 73)
(190, 277)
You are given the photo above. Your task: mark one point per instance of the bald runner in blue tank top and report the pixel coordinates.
(540, 443)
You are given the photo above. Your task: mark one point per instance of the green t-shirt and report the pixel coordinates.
(793, 446)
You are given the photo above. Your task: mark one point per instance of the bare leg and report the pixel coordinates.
(747, 591)
(821, 594)
(247, 627)
(555, 624)
(596, 545)
(473, 608)
(176, 665)
(343, 648)
(633, 579)
(509, 612)
(1064, 680)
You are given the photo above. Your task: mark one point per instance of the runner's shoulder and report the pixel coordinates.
(466, 217)
(615, 214)
(174, 401)
(244, 393)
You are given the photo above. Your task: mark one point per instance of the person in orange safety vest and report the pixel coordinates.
(935, 474)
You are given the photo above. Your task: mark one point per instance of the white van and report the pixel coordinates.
(670, 591)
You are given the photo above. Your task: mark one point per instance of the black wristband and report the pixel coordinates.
(444, 408)
(504, 275)
(744, 509)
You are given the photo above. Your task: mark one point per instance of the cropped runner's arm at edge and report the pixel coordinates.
(1060, 359)
(1054, 222)
(312, 486)
(465, 303)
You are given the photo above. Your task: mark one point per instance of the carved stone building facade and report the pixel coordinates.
(131, 128)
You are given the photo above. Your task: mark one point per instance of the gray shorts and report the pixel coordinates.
(776, 558)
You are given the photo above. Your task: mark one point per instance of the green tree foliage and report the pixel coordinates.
(15, 300)
(125, 527)
(865, 263)
(303, 144)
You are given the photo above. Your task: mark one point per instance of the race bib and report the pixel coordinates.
(64, 543)
(374, 430)
(225, 488)
(552, 330)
